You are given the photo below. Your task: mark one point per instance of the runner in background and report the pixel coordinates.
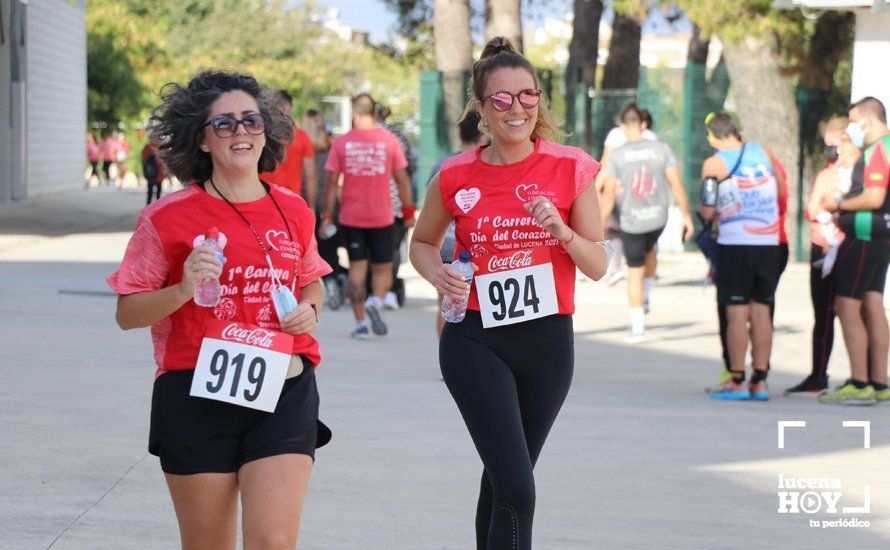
(840, 156)
(109, 155)
(299, 159)
(400, 226)
(640, 178)
(336, 283)
(862, 258)
(526, 209)
(217, 447)
(154, 170)
(94, 155)
(749, 188)
(614, 139)
(367, 157)
(121, 154)
(470, 138)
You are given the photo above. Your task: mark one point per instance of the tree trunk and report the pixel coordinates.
(623, 66)
(766, 106)
(504, 18)
(581, 67)
(454, 57)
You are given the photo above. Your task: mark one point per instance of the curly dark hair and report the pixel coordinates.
(176, 124)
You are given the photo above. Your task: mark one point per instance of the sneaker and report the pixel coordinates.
(372, 308)
(634, 337)
(730, 391)
(759, 391)
(615, 276)
(882, 395)
(332, 297)
(390, 301)
(723, 379)
(810, 387)
(360, 332)
(848, 394)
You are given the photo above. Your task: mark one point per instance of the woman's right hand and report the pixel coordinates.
(200, 265)
(450, 283)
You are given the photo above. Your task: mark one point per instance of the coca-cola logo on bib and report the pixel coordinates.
(252, 337)
(519, 259)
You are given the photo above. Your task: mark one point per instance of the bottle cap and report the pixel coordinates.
(212, 233)
(465, 256)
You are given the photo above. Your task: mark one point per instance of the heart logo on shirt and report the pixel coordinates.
(523, 191)
(271, 238)
(466, 199)
(199, 240)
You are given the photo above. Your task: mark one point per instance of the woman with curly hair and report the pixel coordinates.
(235, 403)
(526, 211)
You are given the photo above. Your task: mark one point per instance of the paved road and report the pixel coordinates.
(639, 457)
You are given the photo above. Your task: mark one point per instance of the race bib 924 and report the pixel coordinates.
(515, 287)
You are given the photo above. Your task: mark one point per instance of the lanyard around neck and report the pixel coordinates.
(259, 241)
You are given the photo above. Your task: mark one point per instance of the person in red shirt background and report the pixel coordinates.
(367, 157)
(213, 451)
(299, 160)
(94, 154)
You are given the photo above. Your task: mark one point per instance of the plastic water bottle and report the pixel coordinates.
(208, 292)
(454, 311)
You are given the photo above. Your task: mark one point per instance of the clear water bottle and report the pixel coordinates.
(208, 291)
(453, 311)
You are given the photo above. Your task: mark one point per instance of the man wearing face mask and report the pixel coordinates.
(861, 269)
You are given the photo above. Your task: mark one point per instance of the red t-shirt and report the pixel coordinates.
(289, 172)
(166, 233)
(367, 159)
(486, 202)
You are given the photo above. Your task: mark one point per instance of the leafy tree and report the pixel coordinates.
(581, 67)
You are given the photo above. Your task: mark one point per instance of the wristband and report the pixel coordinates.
(838, 198)
(327, 217)
(408, 212)
(565, 244)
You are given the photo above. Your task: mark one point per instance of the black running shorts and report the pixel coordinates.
(861, 266)
(637, 245)
(194, 435)
(362, 242)
(747, 272)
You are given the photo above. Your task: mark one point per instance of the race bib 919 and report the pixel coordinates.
(515, 287)
(242, 364)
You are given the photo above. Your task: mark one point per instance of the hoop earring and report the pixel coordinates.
(483, 127)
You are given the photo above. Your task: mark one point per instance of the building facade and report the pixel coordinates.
(43, 97)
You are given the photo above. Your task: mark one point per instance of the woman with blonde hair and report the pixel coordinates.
(525, 209)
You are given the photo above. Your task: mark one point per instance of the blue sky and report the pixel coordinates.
(374, 16)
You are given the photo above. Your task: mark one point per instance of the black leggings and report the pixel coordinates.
(509, 384)
(822, 295)
(724, 320)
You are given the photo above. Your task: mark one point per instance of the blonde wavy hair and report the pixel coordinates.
(499, 53)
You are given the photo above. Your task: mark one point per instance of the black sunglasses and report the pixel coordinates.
(226, 126)
(503, 101)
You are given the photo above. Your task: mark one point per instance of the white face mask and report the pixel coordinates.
(857, 134)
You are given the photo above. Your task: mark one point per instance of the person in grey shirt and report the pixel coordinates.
(640, 177)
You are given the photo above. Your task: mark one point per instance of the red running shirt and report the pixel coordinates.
(289, 172)
(486, 202)
(169, 229)
(367, 159)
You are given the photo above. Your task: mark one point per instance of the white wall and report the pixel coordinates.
(871, 52)
(57, 105)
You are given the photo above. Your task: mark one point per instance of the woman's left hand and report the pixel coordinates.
(300, 321)
(547, 216)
